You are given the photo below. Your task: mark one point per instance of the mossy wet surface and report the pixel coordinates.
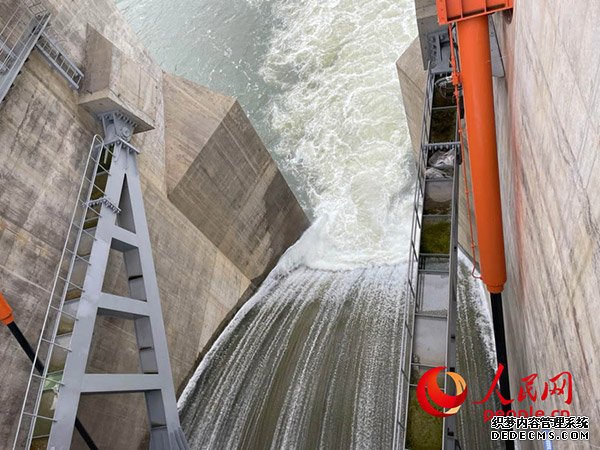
(443, 126)
(440, 208)
(435, 237)
(442, 100)
(423, 431)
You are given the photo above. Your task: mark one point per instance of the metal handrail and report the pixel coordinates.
(97, 143)
(412, 287)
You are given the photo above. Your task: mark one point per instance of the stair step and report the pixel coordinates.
(56, 57)
(73, 294)
(90, 223)
(59, 352)
(67, 321)
(26, 31)
(99, 186)
(101, 179)
(39, 443)
(92, 214)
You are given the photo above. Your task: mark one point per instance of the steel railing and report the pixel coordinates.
(81, 227)
(411, 291)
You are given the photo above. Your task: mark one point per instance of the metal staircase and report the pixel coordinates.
(19, 33)
(429, 320)
(21, 30)
(109, 215)
(58, 59)
(37, 415)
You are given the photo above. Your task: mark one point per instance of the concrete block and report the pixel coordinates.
(546, 116)
(412, 83)
(114, 82)
(222, 178)
(44, 138)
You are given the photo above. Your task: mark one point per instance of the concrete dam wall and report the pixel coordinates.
(548, 140)
(220, 216)
(219, 212)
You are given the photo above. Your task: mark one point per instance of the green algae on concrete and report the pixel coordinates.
(423, 431)
(433, 207)
(435, 237)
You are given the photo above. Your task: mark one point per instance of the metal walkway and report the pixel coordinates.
(23, 28)
(429, 321)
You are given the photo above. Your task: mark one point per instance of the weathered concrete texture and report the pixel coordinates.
(115, 82)
(412, 83)
(44, 139)
(222, 178)
(549, 141)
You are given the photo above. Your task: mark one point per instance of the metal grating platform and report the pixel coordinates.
(23, 27)
(20, 29)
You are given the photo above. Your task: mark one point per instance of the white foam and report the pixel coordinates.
(343, 137)
(307, 329)
(479, 301)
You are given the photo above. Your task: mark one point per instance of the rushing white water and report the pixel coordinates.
(311, 360)
(343, 136)
(319, 81)
(309, 363)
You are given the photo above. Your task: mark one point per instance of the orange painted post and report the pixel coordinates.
(457, 10)
(471, 18)
(6, 312)
(476, 79)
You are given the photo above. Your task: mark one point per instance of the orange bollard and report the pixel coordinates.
(6, 312)
(476, 78)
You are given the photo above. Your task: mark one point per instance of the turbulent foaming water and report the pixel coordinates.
(309, 363)
(311, 360)
(342, 134)
(319, 82)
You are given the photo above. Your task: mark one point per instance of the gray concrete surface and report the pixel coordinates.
(44, 138)
(549, 141)
(412, 78)
(221, 176)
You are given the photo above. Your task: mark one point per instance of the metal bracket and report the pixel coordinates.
(438, 44)
(106, 202)
(117, 127)
(438, 51)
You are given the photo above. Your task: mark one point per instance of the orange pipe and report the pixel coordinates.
(476, 79)
(6, 312)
